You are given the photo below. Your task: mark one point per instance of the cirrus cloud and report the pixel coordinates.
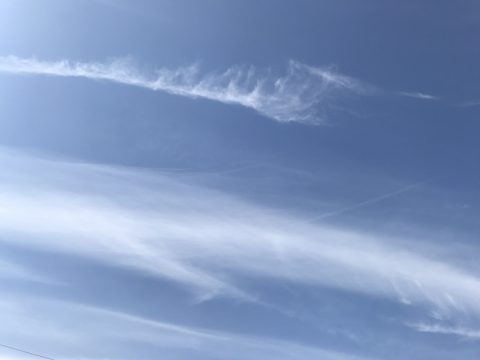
(301, 93)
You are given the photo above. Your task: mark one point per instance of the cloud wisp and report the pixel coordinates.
(9, 270)
(419, 95)
(469, 104)
(45, 326)
(300, 94)
(207, 240)
(460, 331)
(367, 202)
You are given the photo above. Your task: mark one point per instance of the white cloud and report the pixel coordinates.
(460, 331)
(73, 331)
(302, 94)
(419, 95)
(206, 239)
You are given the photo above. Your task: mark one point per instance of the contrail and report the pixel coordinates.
(26, 352)
(369, 201)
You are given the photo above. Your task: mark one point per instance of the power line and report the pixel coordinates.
(26, 352)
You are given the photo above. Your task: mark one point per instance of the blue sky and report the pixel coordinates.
(211, 179)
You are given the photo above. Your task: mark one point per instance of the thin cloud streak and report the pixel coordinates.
(301, 94)
(471, 103)
(459, 331)
(104, 333)
(9, 270)
(206, 240)
(419, 95)
(367, 202)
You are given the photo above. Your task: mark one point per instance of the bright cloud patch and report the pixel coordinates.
(206, 239)
(300, 94)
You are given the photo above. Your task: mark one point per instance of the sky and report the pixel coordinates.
(245, 180)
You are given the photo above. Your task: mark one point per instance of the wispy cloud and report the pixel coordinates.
(17, 272)
(45, 326)
(460, 331)
(370, 201)
(419, 95)
(206, 240)
(300, 94)
(471, 103)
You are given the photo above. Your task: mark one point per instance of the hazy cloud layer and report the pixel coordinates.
(206, 239)
(9, 270)
(300, 93)
(67, 330)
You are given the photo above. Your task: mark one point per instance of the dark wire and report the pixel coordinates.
(26, 352)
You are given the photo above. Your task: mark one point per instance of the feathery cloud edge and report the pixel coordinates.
(205, 239)
(301, 94)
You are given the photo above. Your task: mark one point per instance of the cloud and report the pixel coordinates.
(419, 95)
(370, 201)
(471, 103)
(20, 351)
(208, 240)
(9, 270)
(301, 94)
(459, 331)
(70, 330)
